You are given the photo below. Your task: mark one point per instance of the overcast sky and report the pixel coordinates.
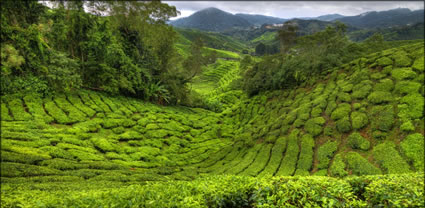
(290, 9)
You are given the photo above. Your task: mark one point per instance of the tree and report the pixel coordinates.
(260, 49)
(287, 35)
(193, 64)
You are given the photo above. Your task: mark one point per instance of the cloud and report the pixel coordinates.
(290, 9)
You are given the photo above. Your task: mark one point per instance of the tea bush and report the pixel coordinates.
(357, 141)
(387, 156)
(359, 165)
(359, 120)
(413, 147)
(325, 153)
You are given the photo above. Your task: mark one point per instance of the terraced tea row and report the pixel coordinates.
(85, 133)
(366, 118)
(364, 113)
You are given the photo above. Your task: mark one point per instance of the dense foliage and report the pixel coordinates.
(300, 63)
(326, 110)
(117, 47)
(225, 191)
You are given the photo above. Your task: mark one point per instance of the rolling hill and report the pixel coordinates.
(364, 118)
(211, 19)
(385, 19)
(258, 20)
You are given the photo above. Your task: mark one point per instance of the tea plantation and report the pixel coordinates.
(354, 138)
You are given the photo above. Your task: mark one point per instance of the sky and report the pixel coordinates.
(292, 9)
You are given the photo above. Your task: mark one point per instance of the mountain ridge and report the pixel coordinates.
(213, 19)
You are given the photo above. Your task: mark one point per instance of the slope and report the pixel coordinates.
(211, 19)
(364, 118)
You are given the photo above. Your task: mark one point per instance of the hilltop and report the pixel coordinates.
(211, 19)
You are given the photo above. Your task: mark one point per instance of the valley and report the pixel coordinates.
(245, 130)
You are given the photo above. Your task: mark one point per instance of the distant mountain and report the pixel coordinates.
(385, 19)
(329, 17)
(409, 32)
(259, 20)
(211, 19)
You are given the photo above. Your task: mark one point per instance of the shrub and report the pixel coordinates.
(361, 90)
(73, 113)
(5, 113)
(245, 161)
(386, 85)
(411, 107)
(407, 126)
(131, 135)
(387, 156)
(378, 97)
(61, 164)
(275, 158)
(305, 160)
(35, 107)
(76, 101)
(378, 76)
(338, 167)
(331, 107)
(359, 165)
(382, 117)
(56, 112)
(82, 155)
(379, 134)
(290, 118)
(384, 61)
(407, 87)
(316, 112)
(342, 111)
(17, 109)
(57, 152)
(413, 147)
(103, 144)
(260, 161)
(113, 122)
(25, 170)
(357, 141)
(403, 74)
(314, 125)
(344, 97)
(289, 161)
(96, 98)
(359, 120)
(305, 192)
(343, 125)
(325, 153)
(347, 88)
(419, 64)
(401, 59)
(21, 157)
(160, 133)
(395, 191)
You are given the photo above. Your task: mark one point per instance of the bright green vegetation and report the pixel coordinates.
(413, 147)
(357, 141)
(221, 191)
(238, 139)
(359, 165)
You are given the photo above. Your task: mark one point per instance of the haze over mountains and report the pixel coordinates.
(213, 19)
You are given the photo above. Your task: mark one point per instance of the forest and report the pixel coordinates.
(111, 104)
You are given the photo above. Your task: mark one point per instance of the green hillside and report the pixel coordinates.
(210, 39)
(364, 118)
(124, 110)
